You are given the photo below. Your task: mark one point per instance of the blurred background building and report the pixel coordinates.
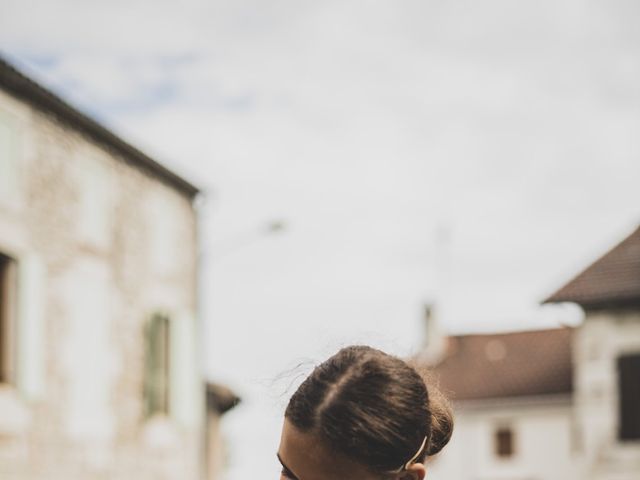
(100, 373)
(551, 404)
(379, 130)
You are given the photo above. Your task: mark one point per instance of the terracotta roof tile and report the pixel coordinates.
(612, 280)
(507, 365)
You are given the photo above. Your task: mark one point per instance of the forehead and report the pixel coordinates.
(310, 459)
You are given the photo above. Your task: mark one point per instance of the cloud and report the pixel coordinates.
(366, 125)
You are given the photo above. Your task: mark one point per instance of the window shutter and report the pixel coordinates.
(8, 156)
(186, 404)
(30, 327)
(629, 397)
(156, 365)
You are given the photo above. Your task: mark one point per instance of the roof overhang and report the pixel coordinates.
(24, 88)
(220, 399)
(532, 401)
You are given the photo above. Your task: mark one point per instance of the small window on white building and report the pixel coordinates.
(504, 442)
(156, 382)
(629, 397)
(7, 318)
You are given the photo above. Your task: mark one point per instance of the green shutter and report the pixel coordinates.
(156, 376)
(8, 155)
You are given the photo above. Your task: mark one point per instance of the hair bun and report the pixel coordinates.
(440, 409)
(441, 421)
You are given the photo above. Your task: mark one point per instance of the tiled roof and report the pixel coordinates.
(613, 280)
(21, 86)
(220, 399)
(520, 364)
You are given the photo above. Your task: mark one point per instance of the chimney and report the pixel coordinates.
(434, 344)
(434, 313)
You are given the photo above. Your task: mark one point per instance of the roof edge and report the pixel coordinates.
(219, 398)
(544, 400)
(24, 88)
(514, 332)
(621, 303)
(558, 296)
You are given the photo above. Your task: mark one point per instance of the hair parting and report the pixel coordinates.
(373, 407)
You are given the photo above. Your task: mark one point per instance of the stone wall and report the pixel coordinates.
(602, 338)
(100, 247)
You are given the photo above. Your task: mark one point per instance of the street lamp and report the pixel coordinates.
(247, 237)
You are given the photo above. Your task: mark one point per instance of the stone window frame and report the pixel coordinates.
(8, 318)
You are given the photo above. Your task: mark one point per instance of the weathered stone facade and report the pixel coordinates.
(100, 246)
(601, 340)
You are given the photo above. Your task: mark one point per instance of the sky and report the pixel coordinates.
(472, 154)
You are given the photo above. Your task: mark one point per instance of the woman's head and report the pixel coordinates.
(366, 413)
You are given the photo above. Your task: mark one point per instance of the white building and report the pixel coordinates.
(99, 365)
(556, 404)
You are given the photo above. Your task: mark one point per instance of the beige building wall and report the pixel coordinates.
(562, 438)
(602, 338)
(100, 246)
(543, 445)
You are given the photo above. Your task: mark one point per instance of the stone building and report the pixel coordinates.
(555, 404)
(99, 365)
(606, 360)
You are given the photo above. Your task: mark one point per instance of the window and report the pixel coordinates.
(629, 397)
(172, 378)
(503, 442)
(9, 143)
(94, 202)
(7, 318)
(156, 384)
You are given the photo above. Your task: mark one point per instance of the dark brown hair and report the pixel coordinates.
(372, 407)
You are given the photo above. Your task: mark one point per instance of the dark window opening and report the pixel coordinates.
(7, 318)
(504, 442)
(157, 366)
(629, 397)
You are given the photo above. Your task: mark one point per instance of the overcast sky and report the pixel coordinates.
(508, 130)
